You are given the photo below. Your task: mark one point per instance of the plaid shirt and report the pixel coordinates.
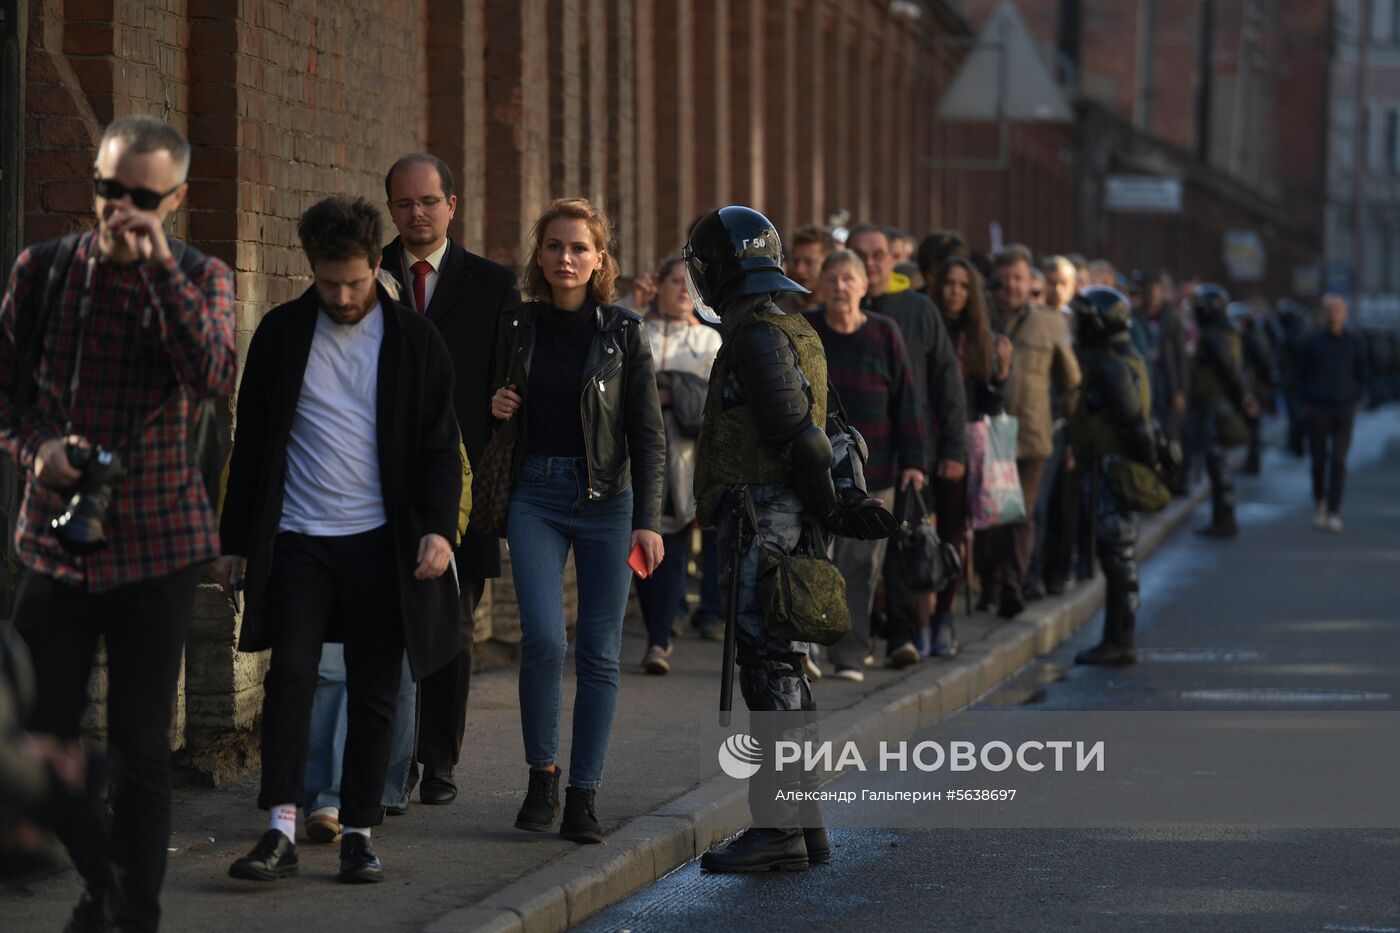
(153, 340)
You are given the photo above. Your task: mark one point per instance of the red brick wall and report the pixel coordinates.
(801, 107)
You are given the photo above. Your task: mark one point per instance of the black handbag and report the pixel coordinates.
(929, 563)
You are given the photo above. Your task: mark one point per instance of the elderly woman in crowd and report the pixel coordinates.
(868, 365)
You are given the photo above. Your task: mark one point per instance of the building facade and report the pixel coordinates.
(1363, 173)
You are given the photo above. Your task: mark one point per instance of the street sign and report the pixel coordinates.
(1005, 77)
(1245, 257)
(1142, 194)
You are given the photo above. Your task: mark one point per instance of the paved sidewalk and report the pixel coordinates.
(464, 866)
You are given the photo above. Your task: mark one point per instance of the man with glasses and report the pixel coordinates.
(464, 295)
(107, 339)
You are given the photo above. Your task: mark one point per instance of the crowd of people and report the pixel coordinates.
(409, 410)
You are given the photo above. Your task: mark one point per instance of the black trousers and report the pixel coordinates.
(143, 626)
(1329, 439)
(442, 695)
(332, 589)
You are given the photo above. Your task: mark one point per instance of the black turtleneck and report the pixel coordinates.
(554, 417)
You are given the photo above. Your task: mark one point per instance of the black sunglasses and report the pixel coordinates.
(143, 198)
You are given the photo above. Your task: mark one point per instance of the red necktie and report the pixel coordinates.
(421, 268)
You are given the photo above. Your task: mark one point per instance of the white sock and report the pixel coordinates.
(362, 830)
(284, 817)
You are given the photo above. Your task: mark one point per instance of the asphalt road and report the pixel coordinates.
(1284, 618)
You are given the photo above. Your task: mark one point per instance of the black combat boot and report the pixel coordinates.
(1222, 524)
(579, 823)
(781, 846)
(1222, 504)
(809, 816)
(1116, 649)
(1118, 554)
(541, 804)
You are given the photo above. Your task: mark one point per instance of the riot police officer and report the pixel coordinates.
(764, 477)
(1220, 402)
(1111, 428)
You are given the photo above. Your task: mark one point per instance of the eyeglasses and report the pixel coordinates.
(408, 204)
(143, 198)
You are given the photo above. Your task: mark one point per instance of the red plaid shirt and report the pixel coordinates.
(152, 341)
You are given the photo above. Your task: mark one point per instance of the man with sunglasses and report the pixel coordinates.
(120, 340)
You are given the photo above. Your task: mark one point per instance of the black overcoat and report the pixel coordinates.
(419, 466)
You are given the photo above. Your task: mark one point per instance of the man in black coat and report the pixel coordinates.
(463, 295)
(343, 495)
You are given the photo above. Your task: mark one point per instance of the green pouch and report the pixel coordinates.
(803, 598)
(1137, 486)
(1230, 424)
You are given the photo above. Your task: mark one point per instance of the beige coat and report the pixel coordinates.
(1042, 351)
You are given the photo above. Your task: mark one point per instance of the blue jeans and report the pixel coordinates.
(663, 591)
(326, 751)
(550, 512)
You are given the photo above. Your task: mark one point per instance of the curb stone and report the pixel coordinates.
(653, 845)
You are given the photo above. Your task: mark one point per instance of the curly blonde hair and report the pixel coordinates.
(604, 277)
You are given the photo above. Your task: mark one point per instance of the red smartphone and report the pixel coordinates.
(637, 560)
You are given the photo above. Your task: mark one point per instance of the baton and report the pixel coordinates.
(731, 619)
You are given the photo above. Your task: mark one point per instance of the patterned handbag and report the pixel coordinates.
(492, 479)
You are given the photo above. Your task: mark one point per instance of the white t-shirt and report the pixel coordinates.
(332, 485)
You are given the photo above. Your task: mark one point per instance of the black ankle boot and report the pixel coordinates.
(1108, 654)
(541, 804)
(579, 823)
(761, 850)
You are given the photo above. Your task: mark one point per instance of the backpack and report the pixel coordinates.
(207, 441)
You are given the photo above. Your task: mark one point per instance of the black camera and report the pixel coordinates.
(80, 528)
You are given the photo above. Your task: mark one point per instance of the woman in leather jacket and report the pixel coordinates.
(576, 372)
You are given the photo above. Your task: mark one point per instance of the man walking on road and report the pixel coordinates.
(1331, 380)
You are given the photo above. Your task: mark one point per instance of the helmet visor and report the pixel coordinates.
(702, 307)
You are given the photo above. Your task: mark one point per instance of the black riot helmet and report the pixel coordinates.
(733, 252)
(1211, 303)
(1100, 312)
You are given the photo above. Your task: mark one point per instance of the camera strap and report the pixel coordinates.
(75, 380)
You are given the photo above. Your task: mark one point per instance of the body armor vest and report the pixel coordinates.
(731, 451)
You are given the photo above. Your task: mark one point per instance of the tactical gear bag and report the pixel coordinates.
(1136, 486)
(802, 596)
(1230, 426)
(929, 564)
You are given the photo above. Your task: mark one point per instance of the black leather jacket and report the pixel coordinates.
(623, 432)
